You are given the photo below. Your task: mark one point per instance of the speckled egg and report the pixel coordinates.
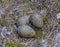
(24, 20)
(37, 20)
(26, 31)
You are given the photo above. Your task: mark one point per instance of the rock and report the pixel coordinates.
(24, 20)
(30, 12)
(43, 12)
(5, 32)
(26, 31)
(57, 38)
(34, 43)
(1, 12)
(58, 15)
(57, 45)
(37, 20)
(44, 43)
(34, 1)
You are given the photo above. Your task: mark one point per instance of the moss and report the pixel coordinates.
(39, 34)
(20, 45)
(30, 4)
(9, 45)
(12, 45)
